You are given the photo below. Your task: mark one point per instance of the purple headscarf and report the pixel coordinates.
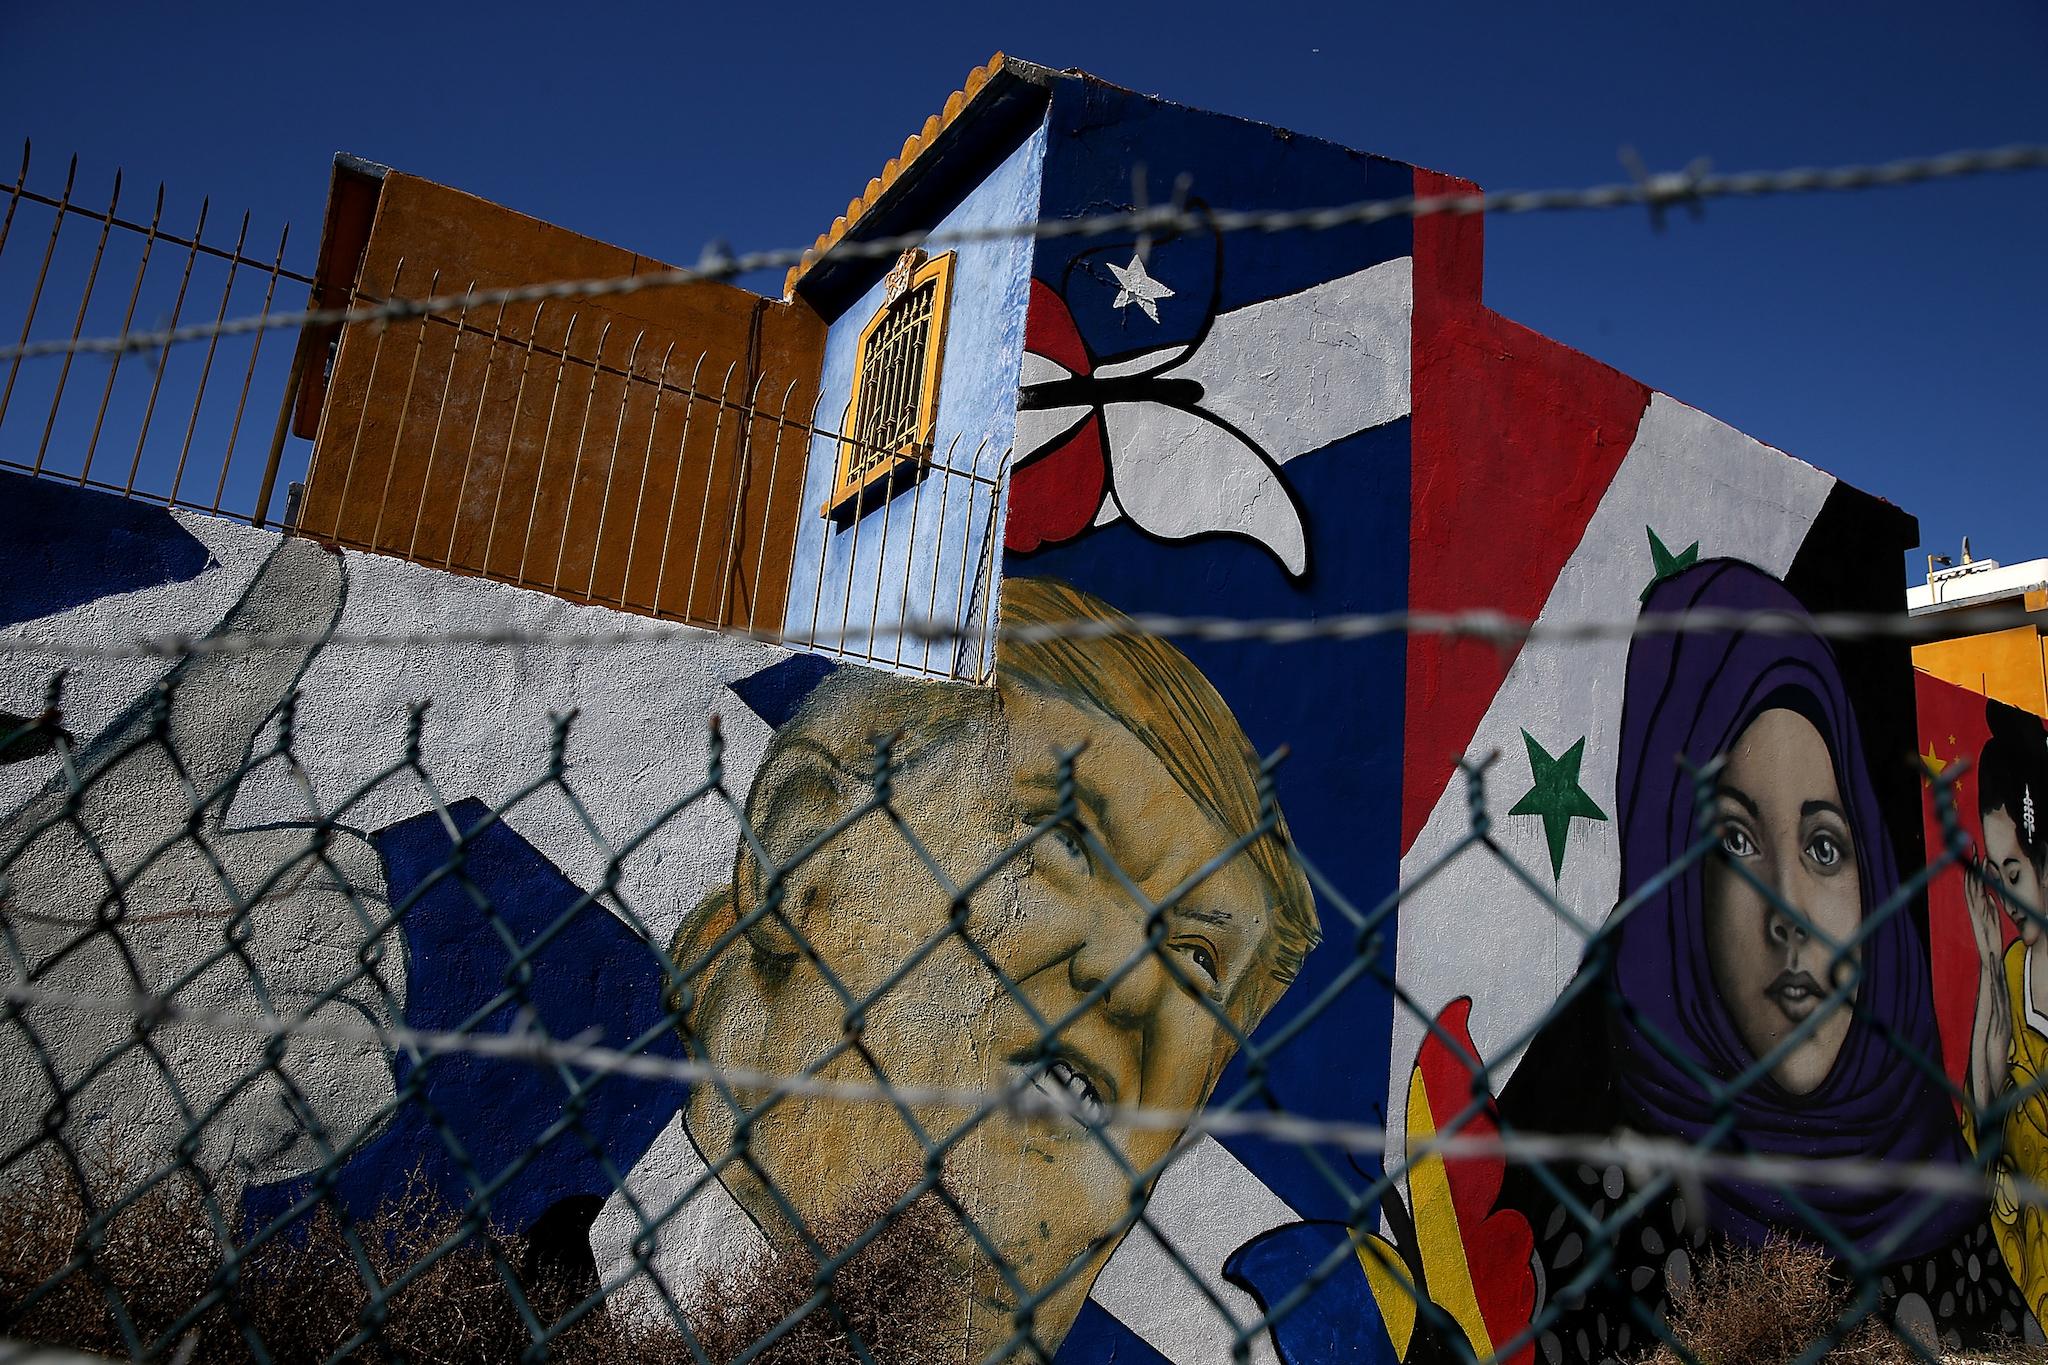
(1689, 697)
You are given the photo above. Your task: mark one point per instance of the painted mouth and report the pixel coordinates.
(1071, 1088)
(1796, 993)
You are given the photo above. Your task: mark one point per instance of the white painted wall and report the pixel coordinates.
(638, 745)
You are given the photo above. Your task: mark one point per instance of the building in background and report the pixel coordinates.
(990, 423)
(2009, 664)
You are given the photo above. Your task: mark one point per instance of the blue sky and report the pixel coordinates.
(1895, 339)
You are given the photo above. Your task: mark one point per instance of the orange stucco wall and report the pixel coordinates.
(641, 450)
(2006, 665)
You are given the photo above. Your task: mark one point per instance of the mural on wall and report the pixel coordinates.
(1218, 425)
(1621, 500)
(288, 904)
(313, 910)
(1705, 983)
(1189, 438)
(457, 894)
(1056, 941)
(1289, 425)
(1985, 913)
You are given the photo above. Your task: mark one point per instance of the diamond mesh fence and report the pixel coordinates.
(926, 1058)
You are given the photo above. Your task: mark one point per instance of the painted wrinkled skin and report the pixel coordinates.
(1136, 1024)
(1779, 816)
(146, 886)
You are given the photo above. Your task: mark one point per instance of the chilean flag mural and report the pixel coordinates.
(1192, 438)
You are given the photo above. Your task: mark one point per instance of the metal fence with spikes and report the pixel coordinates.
(167, 426)
(543, 450)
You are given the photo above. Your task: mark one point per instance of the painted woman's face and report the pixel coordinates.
(2020, 884)
(1778, 811)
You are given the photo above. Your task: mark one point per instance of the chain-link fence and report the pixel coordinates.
(981, 967)
(950, 1012)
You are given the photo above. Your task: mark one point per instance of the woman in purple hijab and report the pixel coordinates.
(1798, 1023)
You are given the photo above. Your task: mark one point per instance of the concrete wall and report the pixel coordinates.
(89, 570)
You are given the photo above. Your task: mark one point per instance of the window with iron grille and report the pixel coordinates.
(895, 398)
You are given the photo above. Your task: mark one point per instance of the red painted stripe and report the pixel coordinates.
(1514, 439)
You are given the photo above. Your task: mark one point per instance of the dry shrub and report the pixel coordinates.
(302, 1293)
(157, 1254)
(1765, 1305)
(899, 1294)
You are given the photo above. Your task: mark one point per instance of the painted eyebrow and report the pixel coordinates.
(1088, 801)
(1822, 808)
(1182, 910)
(1094, 806)
(1741, 797)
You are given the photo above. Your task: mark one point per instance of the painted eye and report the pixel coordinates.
(1201, 956)
(1824, 849)
(1064, 837)
(1736, 843)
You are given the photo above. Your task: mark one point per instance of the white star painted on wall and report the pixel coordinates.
(1135, 285)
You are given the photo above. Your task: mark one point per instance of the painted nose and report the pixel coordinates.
(1118, 960)
(1785, 931)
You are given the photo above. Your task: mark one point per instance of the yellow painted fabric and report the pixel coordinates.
(1436, 1227)
(1388, 1279)
(2021, 1228)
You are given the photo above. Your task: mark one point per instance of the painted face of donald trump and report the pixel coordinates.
(1132, 930)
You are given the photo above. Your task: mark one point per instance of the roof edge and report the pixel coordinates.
(983, 92)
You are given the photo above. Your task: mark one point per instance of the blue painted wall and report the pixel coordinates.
(910, 557)
(1338, 704)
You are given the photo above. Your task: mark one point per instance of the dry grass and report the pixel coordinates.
(898, 1295)
(2011, 1354)
(304, 1294)
(1765, 1305)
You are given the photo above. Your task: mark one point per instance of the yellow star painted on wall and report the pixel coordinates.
(1935, 765)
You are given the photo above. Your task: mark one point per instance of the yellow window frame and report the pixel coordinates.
(860, 469)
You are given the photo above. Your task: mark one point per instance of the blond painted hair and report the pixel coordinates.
(1151, 689)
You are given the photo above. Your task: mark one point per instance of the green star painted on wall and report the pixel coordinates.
(1663, 563)
(1556, 796)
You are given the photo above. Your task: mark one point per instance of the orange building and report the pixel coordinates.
(2008, 664)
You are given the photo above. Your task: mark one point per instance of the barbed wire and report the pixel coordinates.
(1634, 1151)
(1658, 192)
(1489, 626)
